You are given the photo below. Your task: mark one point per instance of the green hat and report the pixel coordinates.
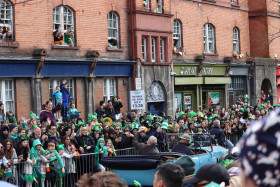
(252, 117)
(246, 96)
(212, 184)
(157, 123)
(34, 126)
(60, 147)
(32, 114)
(215, 116)
(126, 126)
(91, 117)
(23, 138)
(199, 129)
(150, 117)
(147, 123)
(80, 123)
(181, 114)
(96, 128)
(164, 126)
(201, 116)
(119, 124)
(165, 122)
(170, 127)
(191, 122)
(209, 118)
(192, 114)
(135, 125)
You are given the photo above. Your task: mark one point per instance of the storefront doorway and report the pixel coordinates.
(156, 97)
(211, 99)
(155, 108)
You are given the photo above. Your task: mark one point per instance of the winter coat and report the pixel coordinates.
(182, 148)
(144, 149)
(32, 138)
(84, 141)
(98, 149)
(70, 164)
(3, 137)
(38, 155)
(111, 113)
(45, 114)
(65, 95)
(117, 106)
(219, 135)
(100, 112)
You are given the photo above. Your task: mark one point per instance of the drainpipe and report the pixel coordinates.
(132, 43)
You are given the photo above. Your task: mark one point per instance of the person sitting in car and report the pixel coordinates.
(183, 145)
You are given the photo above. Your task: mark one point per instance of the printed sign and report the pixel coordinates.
(137, 99)
(188, 100)
(214, 97)
(138, 83)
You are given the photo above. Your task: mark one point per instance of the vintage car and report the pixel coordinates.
(143, 168)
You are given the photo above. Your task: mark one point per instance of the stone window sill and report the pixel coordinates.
(9, 44)
(114, 49)
(236, 5)
(210, 1)
(156, 63)
(210, 54)
(65, 47)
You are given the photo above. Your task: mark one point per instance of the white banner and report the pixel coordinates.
(137, 99)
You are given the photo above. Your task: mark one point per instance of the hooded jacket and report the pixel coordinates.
(97, 150)
(3, 136)
(34, 153)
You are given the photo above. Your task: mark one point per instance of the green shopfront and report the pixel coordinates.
(200, 88)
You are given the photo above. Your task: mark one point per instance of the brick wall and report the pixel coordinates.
(80, 96)
(22, 98)
(34, 26)
(224, 20)
(45, 90)
(122, 92)
(98, 91)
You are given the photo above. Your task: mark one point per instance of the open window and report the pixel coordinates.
(63, 26)
(177, 34)
(113, 30)
(6, 21)
(209, 38)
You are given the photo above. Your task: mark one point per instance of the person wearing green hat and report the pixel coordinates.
(134, 128)
(96, 133)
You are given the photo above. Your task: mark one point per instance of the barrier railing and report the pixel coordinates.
(75, 168)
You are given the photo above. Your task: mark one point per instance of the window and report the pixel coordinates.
(6, 21)
(209, 38)
(234, 1)
(144, 49)
(159, 6)
(113, 30)
(109, 89)
(162, 55)
(63, 26)
(237, 88)
(236, 42)
(177, 36)
(57, 82)
(153, 43)
(7, 94)
(147, 5)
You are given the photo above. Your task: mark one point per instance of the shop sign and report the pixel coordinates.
(188, 70)
(207, 71)
(278, 71)
(188, 100)
(214, 98)
(138, 83)
(137, 99)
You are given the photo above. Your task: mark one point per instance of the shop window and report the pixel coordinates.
(63, 26)
(209, 38)
(153, 48)
(7, 94)
(177, 34)
(6, 21)
(57, 82)
(236, 43)
(237, 88)
(144, 49)
(162, 47)
(109, 89)
(113, 30)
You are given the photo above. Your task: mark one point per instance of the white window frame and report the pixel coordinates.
(153, 49)
(53, 83)
(4, 97)
(177, 33)
(209, 38)
(109, 88)
(63, 25)
(236, 42)
(111, 18)
(162, 48)
(160, 6)
(6, 19)
(147, 8)
(144, 49)
(234, 1)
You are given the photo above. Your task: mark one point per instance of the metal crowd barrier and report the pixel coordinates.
(78, 165)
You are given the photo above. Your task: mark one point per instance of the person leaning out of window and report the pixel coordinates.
(69, 36)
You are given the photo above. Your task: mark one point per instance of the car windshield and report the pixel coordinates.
(196, 140)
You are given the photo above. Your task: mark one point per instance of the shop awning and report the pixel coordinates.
(188, 80)
(217, 80)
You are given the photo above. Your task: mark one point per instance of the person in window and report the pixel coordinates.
(69, 36)
(58, 37)
(1, 33)
(112, 43)
(2, 113)
(7, 36)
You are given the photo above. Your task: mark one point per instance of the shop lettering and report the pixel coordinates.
(207, 71)
(188, 71)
